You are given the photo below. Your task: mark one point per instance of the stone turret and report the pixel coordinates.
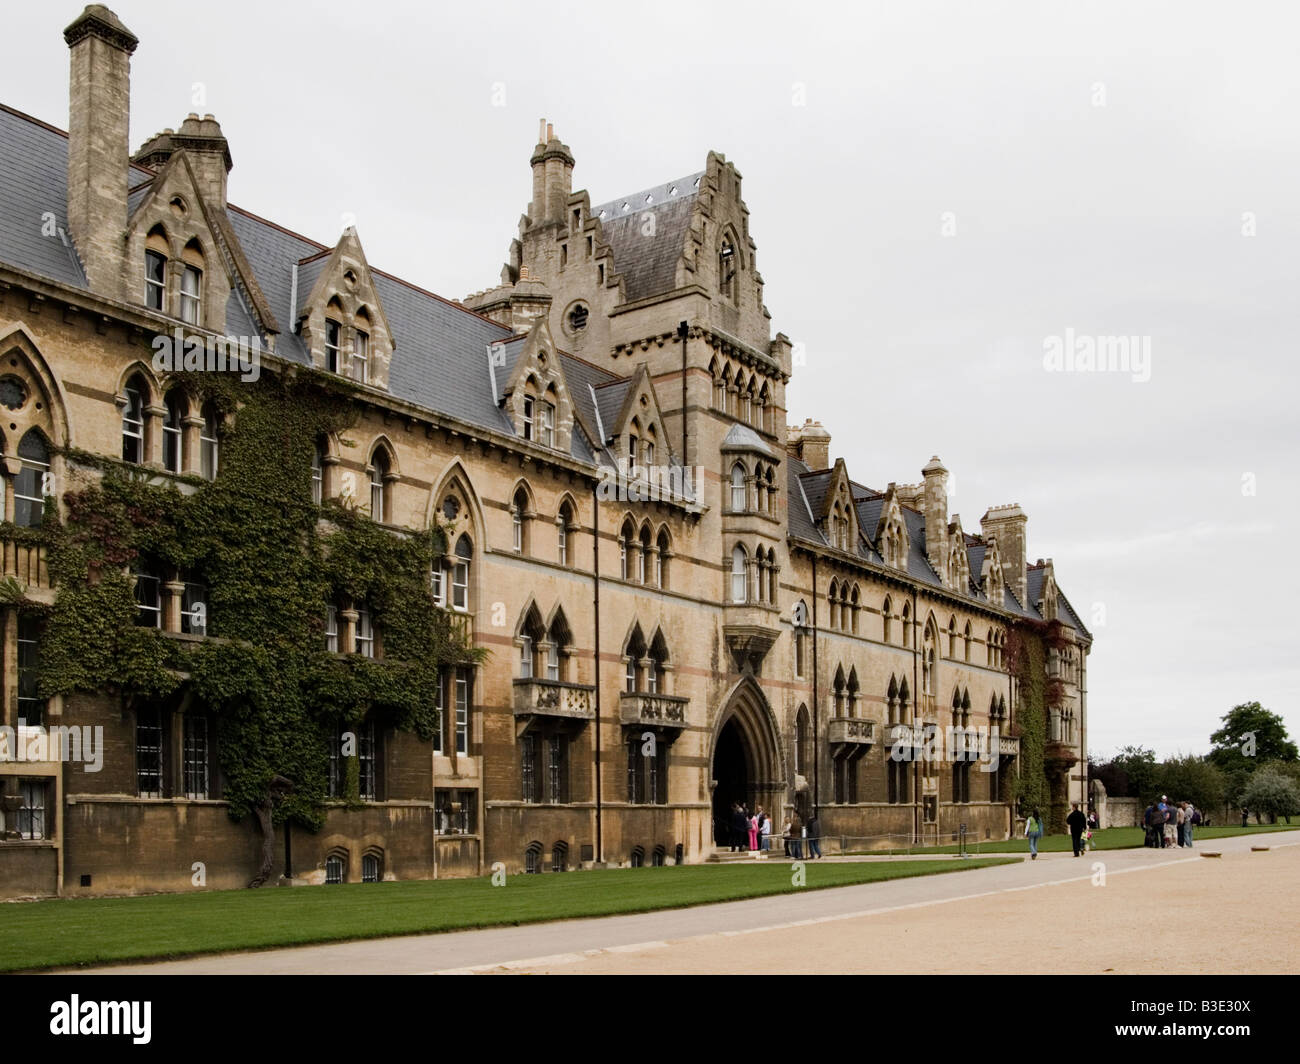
(936, 515)
(1007, 525)
(208, 151)
(552, 164)
(810, 443)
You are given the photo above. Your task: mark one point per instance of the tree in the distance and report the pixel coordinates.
(1249, 737)
(1192, 779)
(1272, 794)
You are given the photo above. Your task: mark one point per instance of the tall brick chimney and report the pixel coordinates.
(936, 515)
(98, 150)
(1007, 525)
(552, 178)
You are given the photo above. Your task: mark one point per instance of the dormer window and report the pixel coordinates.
(546, 430)
(361, 357)
(155, 280)
(191, 295)
(632, 443)
(530, 412)
(332, 333)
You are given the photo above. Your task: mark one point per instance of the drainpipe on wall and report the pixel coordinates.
(683, 330)
(595, 587)
(918, 815)
(817, 705)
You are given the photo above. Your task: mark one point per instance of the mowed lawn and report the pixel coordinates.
(1109, 839)
(67, 932)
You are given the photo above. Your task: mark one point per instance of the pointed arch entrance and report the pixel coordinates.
(746, 765)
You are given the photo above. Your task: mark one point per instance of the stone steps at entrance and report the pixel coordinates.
(727, 857)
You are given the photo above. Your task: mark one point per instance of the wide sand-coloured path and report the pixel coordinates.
(1123, 911)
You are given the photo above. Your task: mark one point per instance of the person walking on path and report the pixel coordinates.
(1076, 822)
(1033, 832)
(1181, 812)
(814, 836)
(1193, 818)
(1245, 816)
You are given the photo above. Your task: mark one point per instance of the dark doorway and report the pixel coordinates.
(732, 775)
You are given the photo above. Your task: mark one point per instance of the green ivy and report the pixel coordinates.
(1028, 662)
(271, 560)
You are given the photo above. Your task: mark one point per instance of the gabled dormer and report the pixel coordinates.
(1047, 596)
(637, 434)
(838, 517)
(536, 396)
(340, 314)
(957, 577)
(891, 532)
(991, 578)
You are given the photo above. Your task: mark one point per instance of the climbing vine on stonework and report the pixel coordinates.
(1026, 660)
(271, 560)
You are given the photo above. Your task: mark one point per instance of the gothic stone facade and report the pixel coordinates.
(686, 603)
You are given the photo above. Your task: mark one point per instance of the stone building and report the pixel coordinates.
(686, 603)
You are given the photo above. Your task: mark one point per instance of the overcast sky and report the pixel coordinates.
(936, 191)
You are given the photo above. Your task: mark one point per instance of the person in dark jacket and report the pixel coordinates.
(1076, 822)
(814, 836)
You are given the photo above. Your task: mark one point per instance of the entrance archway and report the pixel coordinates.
(746, 763)
(731, 776)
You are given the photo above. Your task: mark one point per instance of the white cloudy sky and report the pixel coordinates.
(1099, 162)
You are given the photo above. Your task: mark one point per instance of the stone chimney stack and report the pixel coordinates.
(98, 117)
(936, 515)
(208, 152)
(552, 178)
(810, 443)
(1007, 525)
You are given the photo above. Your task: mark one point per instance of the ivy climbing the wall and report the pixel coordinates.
(272, 560)
(1025, 660)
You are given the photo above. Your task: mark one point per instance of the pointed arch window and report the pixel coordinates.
(380, 493)
(738, 500)
(173, 430)
(333, 334)
(636, 650)
(137, 395)
(318, 454)
(518, 521)
(191, 295)
(727, 271)
(155, 280)
(886, 620)
(656, 659)
(460, 574)
(564, 526)
(661, 558)
(208, 445)
(29, 485)
(625, 549)
(643, 555)
(802, 745)
(739, 590)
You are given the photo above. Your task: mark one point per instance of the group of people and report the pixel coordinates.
(1170, 824)
(753, 831)
(1081, 827)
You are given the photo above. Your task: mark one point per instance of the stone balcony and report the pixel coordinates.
(660, 711)
(1008, 746)
(554, 698)
(904, 735)
(852, 730)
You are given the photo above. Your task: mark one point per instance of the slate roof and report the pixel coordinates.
(440, 361)
(648, 264)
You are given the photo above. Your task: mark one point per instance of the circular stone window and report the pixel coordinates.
(13, 393)
(450, 507)
(178, 207)
(577, 317)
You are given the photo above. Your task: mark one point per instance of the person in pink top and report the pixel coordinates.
(753, 832)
